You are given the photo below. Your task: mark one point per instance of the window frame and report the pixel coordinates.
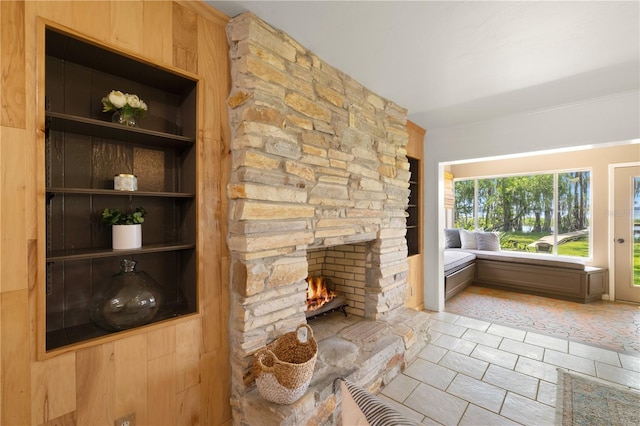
(555, 173)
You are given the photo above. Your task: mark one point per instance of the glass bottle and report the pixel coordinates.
(131, 298)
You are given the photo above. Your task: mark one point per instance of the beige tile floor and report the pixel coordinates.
(477, 373)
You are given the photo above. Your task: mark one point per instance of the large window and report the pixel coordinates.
(547, 213)
(636, 231)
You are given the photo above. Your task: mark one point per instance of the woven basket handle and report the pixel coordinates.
(266, 353)
(309, 334)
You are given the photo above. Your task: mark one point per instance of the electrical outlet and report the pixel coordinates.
(128, 420)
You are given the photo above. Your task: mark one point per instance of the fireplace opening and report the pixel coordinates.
(340, 272)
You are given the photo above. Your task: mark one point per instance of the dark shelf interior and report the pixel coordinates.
(84, 150)
(74, 50)
(413, 208)
(87, 331)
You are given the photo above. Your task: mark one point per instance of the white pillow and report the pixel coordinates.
(468, 240)
(488, 241)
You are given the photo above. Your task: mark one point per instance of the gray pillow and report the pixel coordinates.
(488, 241)
(452, 238)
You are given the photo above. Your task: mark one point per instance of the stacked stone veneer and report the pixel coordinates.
(317, 161)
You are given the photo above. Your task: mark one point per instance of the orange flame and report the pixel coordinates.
(317, 293)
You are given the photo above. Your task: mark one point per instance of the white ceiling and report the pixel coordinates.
(454, 62)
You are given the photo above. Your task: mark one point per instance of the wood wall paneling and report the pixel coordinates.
(1, 221)
(215, 386)
(156, 42)
(188, 350)
(84, 17)
(12, 32)
(2, 356)
(68, 419)
(212, 61)
(131, 377)
(95, 385)
(14, 333)
(161, 342)
(166, 378)
(126, 17)
(415, 147)
(189, 406)
(185, 39)
(415, 278)
(162, 391)
(13, 230)
(53, 384)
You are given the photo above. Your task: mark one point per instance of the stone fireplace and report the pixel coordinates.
(318, 166)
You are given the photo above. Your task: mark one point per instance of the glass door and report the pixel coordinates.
(627, 233)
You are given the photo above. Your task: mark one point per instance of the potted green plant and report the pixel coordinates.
(126, 227)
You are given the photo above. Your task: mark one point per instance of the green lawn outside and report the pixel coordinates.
(519, 241)
(636, 263)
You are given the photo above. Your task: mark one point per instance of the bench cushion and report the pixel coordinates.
(454, 259)
(528, 258)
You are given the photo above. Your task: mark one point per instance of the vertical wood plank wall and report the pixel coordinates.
(415, 149)
(172, 374)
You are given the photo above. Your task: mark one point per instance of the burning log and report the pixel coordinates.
(317, 293)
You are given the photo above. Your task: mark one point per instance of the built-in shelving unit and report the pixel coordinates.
(413, 209)
(415, 156)
(83, 152)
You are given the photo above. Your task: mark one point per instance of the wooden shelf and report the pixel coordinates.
(67, 255)
(85, 332)
(114, 193)
(108, 130)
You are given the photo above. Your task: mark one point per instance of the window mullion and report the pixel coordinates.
(556, 217)
(475, 203)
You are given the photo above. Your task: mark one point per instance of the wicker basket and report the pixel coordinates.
(283, 369)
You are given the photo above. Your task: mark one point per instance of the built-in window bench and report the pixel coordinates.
(557, 277)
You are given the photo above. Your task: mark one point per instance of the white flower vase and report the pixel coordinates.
(127, 236)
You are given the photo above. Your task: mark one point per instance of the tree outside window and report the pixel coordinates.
(548, 213)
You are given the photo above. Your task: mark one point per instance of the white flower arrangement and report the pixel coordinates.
(128, 105)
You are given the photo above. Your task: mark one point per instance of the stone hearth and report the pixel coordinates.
(366, 352)
(318, 161)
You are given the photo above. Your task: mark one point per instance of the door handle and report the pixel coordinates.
(620, 240)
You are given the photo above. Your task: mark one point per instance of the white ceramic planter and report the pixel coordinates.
(127, 236)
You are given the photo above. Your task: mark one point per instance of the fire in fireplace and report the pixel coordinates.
(321, 299)
(317, 293)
